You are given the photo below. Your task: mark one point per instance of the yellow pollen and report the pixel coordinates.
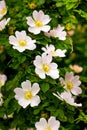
(28, 95)
(52, 52)
(46, 67)
(32, 5)
(69, 85)
(48, 128)
(1, 83)
(38, 23)
(3, 11)
(22, 43)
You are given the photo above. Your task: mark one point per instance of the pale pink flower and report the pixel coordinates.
(45, 66)
(50, 49)
(27, 94)
(71, 83)
(3, 79)
(3, 23)
(76, 68)
(39, 22)
(67, 97)
(57, 32)
(21, 41)
(51, 124)
(3, 9)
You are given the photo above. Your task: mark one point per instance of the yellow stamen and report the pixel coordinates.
(22, 43)
(52, 52)
(46, 67)
(28, 95)
(48, 128)
(38, 23)
(32, 5)
(1, 83)
(3, 11)
(69, 85)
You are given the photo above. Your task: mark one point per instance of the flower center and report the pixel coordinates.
(32, 5)
(69, 85)
(28, 95)
(52, 52)
(38, 23)
(48, 128)
(3, 11)
(22, 43)
(46, 67)
(1, 83)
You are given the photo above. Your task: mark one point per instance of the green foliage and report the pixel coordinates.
(19, 67)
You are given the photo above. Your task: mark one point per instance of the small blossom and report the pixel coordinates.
(3, 23)
(52, 124)
(32, 5)
(71, 83)
(57, 32)
(51, 51)
(1, 99)
(3, 9)
(27, 94)
(3, 79)
(45, 66)
(76, 68)
(67, 97)
(39, 22)
(22, 42)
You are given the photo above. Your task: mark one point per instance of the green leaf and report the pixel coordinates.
(71, 4)
(44, 87)
(82, 13)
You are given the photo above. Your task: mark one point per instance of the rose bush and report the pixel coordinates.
(43, 53)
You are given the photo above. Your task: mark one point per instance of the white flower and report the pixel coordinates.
(3, 9)
(27, 94)
(57, 32)
(45, 66)
(39, 22)
(3, 23)
(67, 97)
(52, 124)
(1, 99)
(71, 83)
(51, 51)
(3, 79)
(22, 42)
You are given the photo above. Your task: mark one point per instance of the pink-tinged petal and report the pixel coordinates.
(20, 35)
(46, 58)
(41, 125)
(20, 49)
(60, 53)
(35, 88)
(76, 90)
(38, 62)
(53, 123)
(46, 19)
(40, 73)
(75, 104)
(26, 85)
(19, 93)
(38, 15)
(45, 28)
(35, 101)
(13, 40)
(69, 76)
(53, 65)
(34, 30)
(53, 73)
(24, 103)
(30, 22)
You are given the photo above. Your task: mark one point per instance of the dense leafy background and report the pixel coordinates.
(19, 66)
